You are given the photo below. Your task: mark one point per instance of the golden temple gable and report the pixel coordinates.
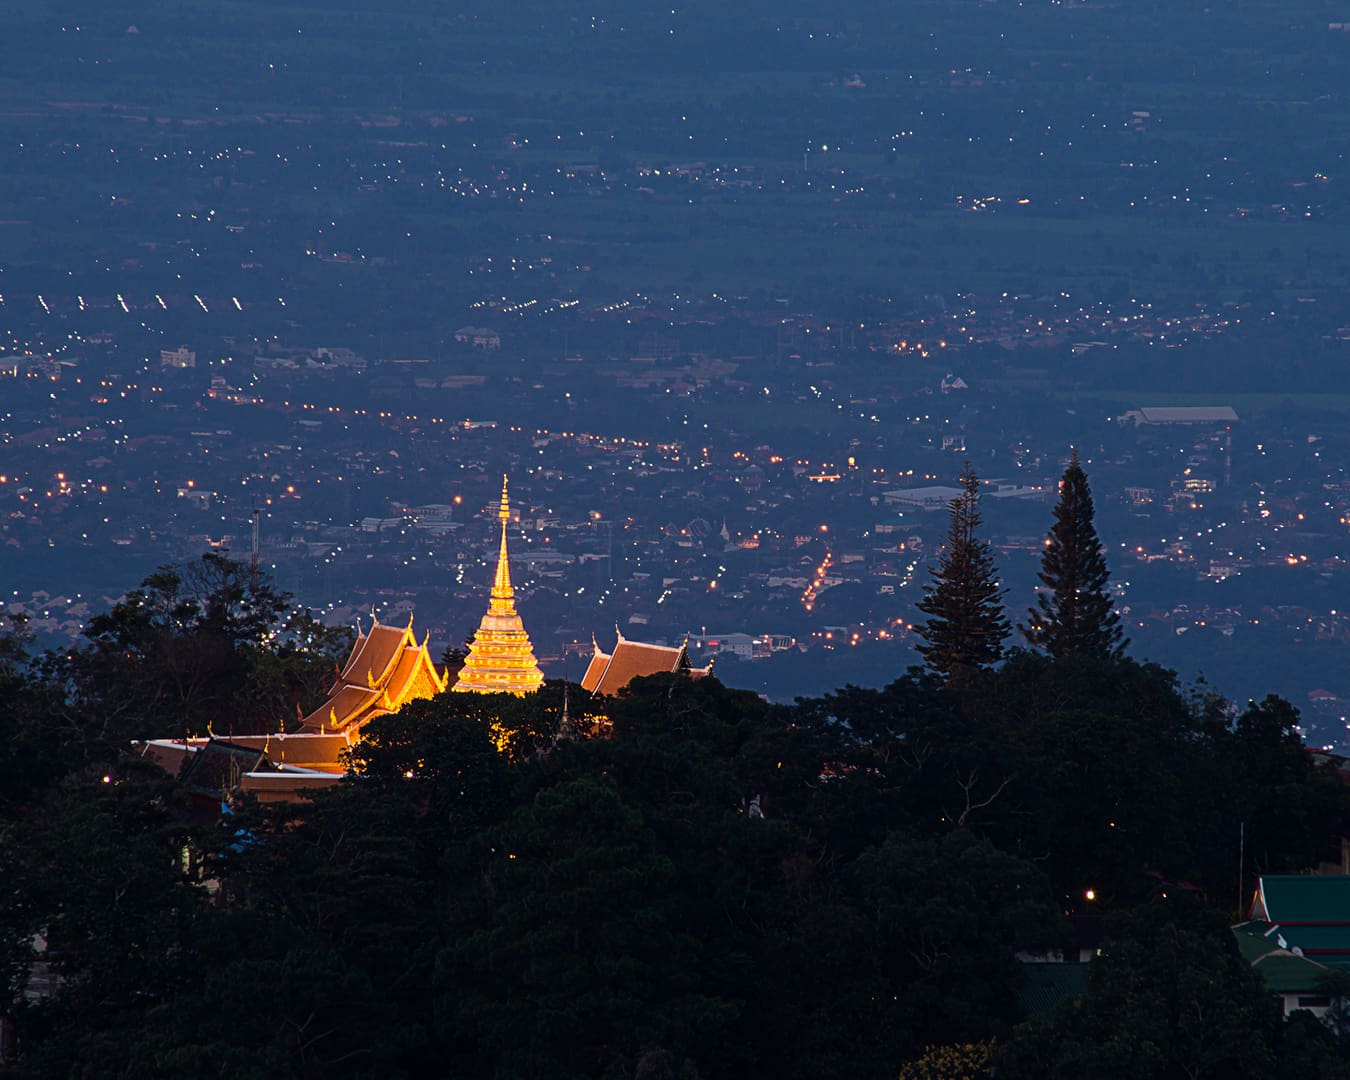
(608, 673)
(386, 670)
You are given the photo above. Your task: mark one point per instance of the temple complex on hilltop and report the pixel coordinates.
(608, 673)
(386, 670)
(501, 658)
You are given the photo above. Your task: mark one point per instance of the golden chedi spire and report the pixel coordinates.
(501, 658)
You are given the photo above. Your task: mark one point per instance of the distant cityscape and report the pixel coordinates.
(675, 542)
(732, 316)
(650, 499)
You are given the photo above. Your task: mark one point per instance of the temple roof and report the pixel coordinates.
(595, 670)
(375, 652)
(608, 673)
(319, 753)
(1303, 899)
(285, 785)
(386, 670)
(275, 768)
(501, 658)
(217, 766)
(170, 756)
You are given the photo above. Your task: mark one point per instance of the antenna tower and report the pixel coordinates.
(253, 566)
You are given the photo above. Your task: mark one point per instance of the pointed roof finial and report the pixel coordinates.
(566, 729)
(502, 592)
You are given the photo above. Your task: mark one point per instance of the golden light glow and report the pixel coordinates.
(386, 670)
(501, 658)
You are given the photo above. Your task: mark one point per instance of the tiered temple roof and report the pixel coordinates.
(386, 670)
(608, 673)
(501, 658)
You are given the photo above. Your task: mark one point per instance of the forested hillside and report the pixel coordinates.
(706, 885)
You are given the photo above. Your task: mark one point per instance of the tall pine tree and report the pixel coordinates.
(966, 625)
(1074, 615)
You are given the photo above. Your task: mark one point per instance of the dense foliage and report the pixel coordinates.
(481, 899)
(966, 626)
(1074, 614)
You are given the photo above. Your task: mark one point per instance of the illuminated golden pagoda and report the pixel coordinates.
(501, 658)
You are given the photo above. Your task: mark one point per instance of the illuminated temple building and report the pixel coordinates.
(501, 658)
(608, 673)
(387, 669)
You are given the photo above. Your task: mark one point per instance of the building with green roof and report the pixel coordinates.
(1302, 898)
(1308, 914)
(1294, 979)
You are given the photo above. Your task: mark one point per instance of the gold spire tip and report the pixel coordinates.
(505, 512)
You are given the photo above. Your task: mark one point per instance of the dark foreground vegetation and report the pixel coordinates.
(706, 885)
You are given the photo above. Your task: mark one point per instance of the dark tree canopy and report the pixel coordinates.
(1074, 613)
(966, 625)
(197, 647)
(701, 886)
(1170, 996)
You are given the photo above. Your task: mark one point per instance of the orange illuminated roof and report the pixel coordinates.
(386, 670)
(375, 653)
(595, 670)
(169, 756)
(631, 660)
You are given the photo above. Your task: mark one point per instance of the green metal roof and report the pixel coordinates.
(1285, 973)
(1282, 971)
(1252, 942)
(1303, 898)
(1321, 942)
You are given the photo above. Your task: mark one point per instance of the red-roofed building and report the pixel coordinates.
(608, 673)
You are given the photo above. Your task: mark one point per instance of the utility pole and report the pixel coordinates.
(1242, 860)
(253, 569)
